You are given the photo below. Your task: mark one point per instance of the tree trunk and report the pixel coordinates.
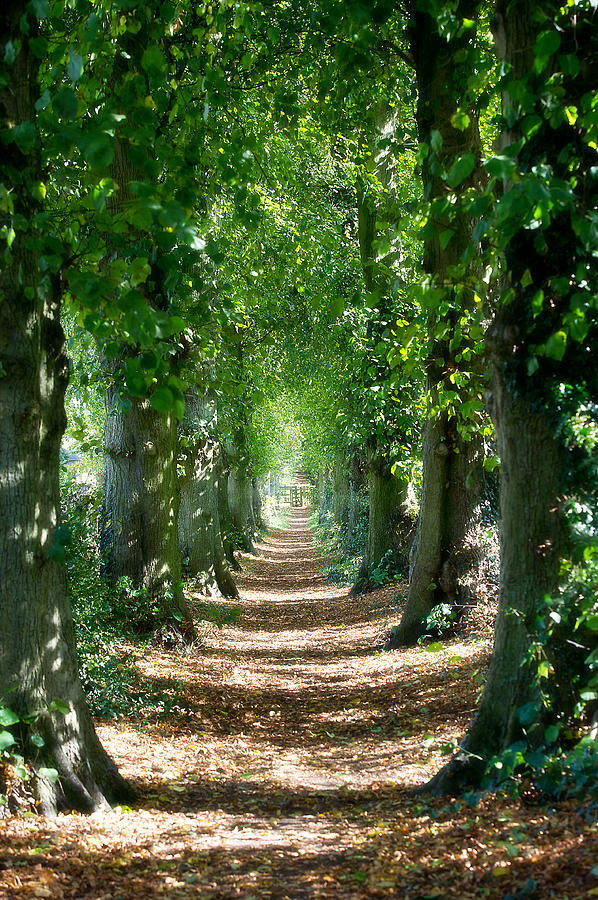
(340, 491)
(225, 518)
(38, 663)
(532, 533)
(387, 526)
(240, 498)
(531, 538)
(140, 505)
(256, 502)
(324, 494)
(139, 516)
(443, 552)
(444, 548)
(200, 541)
(355, 483)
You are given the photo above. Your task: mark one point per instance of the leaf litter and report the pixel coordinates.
(294, 771)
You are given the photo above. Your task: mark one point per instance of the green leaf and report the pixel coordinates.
(436, 142)
(460, 120)
(63, 535)
(461, 170)
(445, 237)
(59, 706)
(38, 46)
(547, 43)
(528, 713)
(37, 740)
(162, 399)
(65, 104)
(56, 553)
(337, 307)
(6, 740)
(537, 760)
(500, 166)
(556, 345)
(98, 149)
(25, 136)
(40, 8)
(7, 717)
(178, 407)
(51, 775)
(10, 53)
(43, 101)
(544, 669)
(551, 734)
(140, 270)
(153, 61)
(588, 695)
(434, 647)
(590, 622)
(74, 66)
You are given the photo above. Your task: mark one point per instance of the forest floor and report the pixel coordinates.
(290, 767)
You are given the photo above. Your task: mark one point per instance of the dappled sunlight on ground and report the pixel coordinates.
(289, 768)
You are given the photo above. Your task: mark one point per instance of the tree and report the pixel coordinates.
(539, 345)
(199, 530)
(40, 684)
(449, 137)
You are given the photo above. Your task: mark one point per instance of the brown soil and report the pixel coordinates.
(295, 776)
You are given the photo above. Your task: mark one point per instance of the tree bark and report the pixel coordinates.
(387, 525)
(240, 493)
(532, 533)
(256, 502)
(225, 518)
(38, 663)
(140, 503)
(442, 552)
(200, 540)
(340, 491)
(531, 538)
(388, 528)
(356, 481)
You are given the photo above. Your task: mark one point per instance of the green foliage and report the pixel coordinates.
(386, 570)
(108, 622)
(440, 619)
(331, 539)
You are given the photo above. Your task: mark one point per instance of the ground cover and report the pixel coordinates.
(291, 769)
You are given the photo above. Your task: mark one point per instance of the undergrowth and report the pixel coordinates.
(108, 621)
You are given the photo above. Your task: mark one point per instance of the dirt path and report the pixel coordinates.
(291, 773)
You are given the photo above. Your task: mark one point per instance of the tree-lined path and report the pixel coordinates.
(291, 773)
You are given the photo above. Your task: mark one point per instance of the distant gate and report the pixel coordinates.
(300, 494)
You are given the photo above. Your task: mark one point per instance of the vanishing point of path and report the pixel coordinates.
(288, 772)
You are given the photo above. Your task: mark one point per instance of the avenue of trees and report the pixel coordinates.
(357, 238)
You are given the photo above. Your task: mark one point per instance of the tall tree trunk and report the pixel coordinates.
(324, 493)
(356, 481)
(256, 502)
(38, 663)
(139, 515)
(441, 555)
(388, 528)
(225, 519)
(200, 540)
(240, 492)
(532, 533)
(340, 490)
(387, 524)
(531, 538)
